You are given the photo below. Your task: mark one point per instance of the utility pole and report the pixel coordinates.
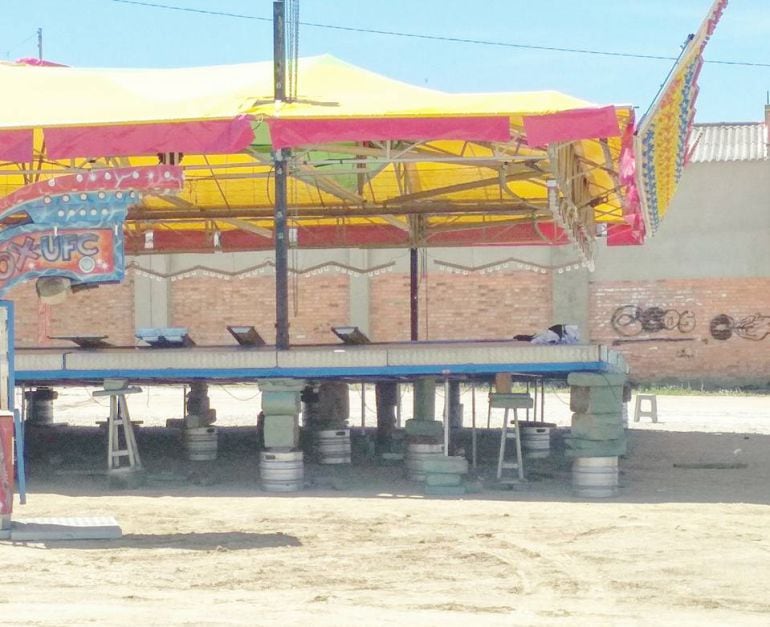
(414, 294)
(40, 44)
(279, 160)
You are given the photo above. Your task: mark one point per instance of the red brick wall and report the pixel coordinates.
(206, 305)
(106, 310)
(473, 306)
(736, 361)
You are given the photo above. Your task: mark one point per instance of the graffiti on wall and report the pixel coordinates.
(755, 327)
(630, 320)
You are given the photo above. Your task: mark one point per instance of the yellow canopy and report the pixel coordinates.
(390, 192)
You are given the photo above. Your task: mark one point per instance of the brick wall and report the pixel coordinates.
(474, 306)
(454, 306)
(106, 310)
(699, 357)
(206, 305)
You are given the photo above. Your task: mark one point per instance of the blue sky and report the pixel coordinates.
(106, 33)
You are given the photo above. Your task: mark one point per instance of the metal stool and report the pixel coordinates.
(652, 412)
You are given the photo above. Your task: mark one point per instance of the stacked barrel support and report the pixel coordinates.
(326, 416)
(281, 462)
(598, 436)
(39, 404)
(426, 459)
(199, 435)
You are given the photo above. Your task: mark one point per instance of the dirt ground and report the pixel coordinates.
(677, 546)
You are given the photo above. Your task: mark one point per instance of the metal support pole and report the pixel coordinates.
(414, 303)
(279, 157)
(363, 407)
(446, 416)
(473, 423)
(542, 400)
(398, 406)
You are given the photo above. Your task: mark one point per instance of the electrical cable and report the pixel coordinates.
(462, 40)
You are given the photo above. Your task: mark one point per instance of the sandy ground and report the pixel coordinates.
(678, 546)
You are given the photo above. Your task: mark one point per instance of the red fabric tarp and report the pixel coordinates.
(197, 137)
(286, 133)
(572, 125)
(16, 146)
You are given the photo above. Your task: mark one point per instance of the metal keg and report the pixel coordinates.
(201, 443)
(595, 477)
(40, 405)
(536, 441)
(333, 446)
(281, 470)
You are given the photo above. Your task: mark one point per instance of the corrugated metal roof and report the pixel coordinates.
(728, 142)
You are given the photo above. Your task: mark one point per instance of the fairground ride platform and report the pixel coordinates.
(457, 360)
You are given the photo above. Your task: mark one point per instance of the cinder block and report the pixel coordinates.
(424, 399)
(596, 427)
(445, 490)
(596, 400)
(280, 402)
(281, 431)
(580, 447)
(596, 379)
(443, 479)
(446, 465)
(427, 428)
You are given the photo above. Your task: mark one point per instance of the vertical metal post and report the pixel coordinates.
(446, 416)
(363, 406)
(414, 303)
(542, 400)
(398, 406)
(279, 157)
(40, 43)
(473, 423)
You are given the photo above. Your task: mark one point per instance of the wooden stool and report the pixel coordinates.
(652, 412)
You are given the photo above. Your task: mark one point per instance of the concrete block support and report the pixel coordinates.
(387, 399)
(280, 406)
(425, 399)
(597, 424)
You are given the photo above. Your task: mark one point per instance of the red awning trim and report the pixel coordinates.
(572, 125)
(39, 62)
(286, 133)
(16, 146)
(386, 236)
(624, 235)
(197, 137)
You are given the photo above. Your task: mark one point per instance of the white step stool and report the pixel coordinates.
(652, 412)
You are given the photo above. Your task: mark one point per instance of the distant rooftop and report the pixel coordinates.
(723, 141)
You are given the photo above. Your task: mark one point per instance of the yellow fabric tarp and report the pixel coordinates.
(446, 185)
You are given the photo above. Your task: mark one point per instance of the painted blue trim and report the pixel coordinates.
(21, 468)
(39, 376)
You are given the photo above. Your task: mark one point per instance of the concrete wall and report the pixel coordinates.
(717, 226)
